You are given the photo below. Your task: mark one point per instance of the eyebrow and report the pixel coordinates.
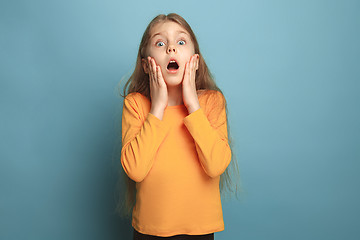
(159, 33)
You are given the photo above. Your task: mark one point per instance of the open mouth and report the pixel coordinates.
(172, 65)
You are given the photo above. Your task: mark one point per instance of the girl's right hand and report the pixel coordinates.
(158, 88)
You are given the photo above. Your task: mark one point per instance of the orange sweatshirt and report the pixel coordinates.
(176, 163)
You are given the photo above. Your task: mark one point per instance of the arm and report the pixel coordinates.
(210, 136)
(140, 140)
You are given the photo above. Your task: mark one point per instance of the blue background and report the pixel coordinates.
(290, 74)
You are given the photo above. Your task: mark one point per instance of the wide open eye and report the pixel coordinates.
(160, 44)
(181, 42)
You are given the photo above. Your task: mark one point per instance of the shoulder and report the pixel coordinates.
(133, 96)
(138, 103)
(136, 98)
(208, 92)
(211, 97)
(212, 101)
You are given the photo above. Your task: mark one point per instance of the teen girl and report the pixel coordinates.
(174, 136)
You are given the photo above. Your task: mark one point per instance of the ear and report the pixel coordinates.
(144, 64)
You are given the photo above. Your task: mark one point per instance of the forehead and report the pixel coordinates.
(167, 28)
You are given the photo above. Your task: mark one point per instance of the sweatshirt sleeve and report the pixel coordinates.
(210, 136)
(140, 140)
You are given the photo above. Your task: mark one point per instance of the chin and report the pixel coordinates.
(173, 80)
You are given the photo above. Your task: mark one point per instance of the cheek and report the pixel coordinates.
(154, 53)
(151, 51)
(188, 58)
(191, 52)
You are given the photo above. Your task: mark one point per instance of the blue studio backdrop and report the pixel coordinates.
(289, 71)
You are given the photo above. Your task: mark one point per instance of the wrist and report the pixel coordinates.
(158, 112)
(193, 108)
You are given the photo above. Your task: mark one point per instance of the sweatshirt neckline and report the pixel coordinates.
(175, 106)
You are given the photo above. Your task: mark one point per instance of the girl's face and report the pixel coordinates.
(170, 41)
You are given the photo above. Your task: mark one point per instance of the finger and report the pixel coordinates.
(193, 63)
(154, 68)
(147, 63)
(197, 61)
(192, 68)
(193, 72)
(187, 71)
(149, 66)
(160, 76)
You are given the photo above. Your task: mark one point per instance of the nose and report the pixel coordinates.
(171, 48)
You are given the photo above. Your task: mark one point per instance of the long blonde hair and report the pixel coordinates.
(139, 82)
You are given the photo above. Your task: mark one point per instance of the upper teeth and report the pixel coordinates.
(172, 61)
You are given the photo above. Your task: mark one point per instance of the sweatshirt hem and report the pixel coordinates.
(180, 232)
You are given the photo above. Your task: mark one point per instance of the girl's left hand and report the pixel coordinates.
(190, 97)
